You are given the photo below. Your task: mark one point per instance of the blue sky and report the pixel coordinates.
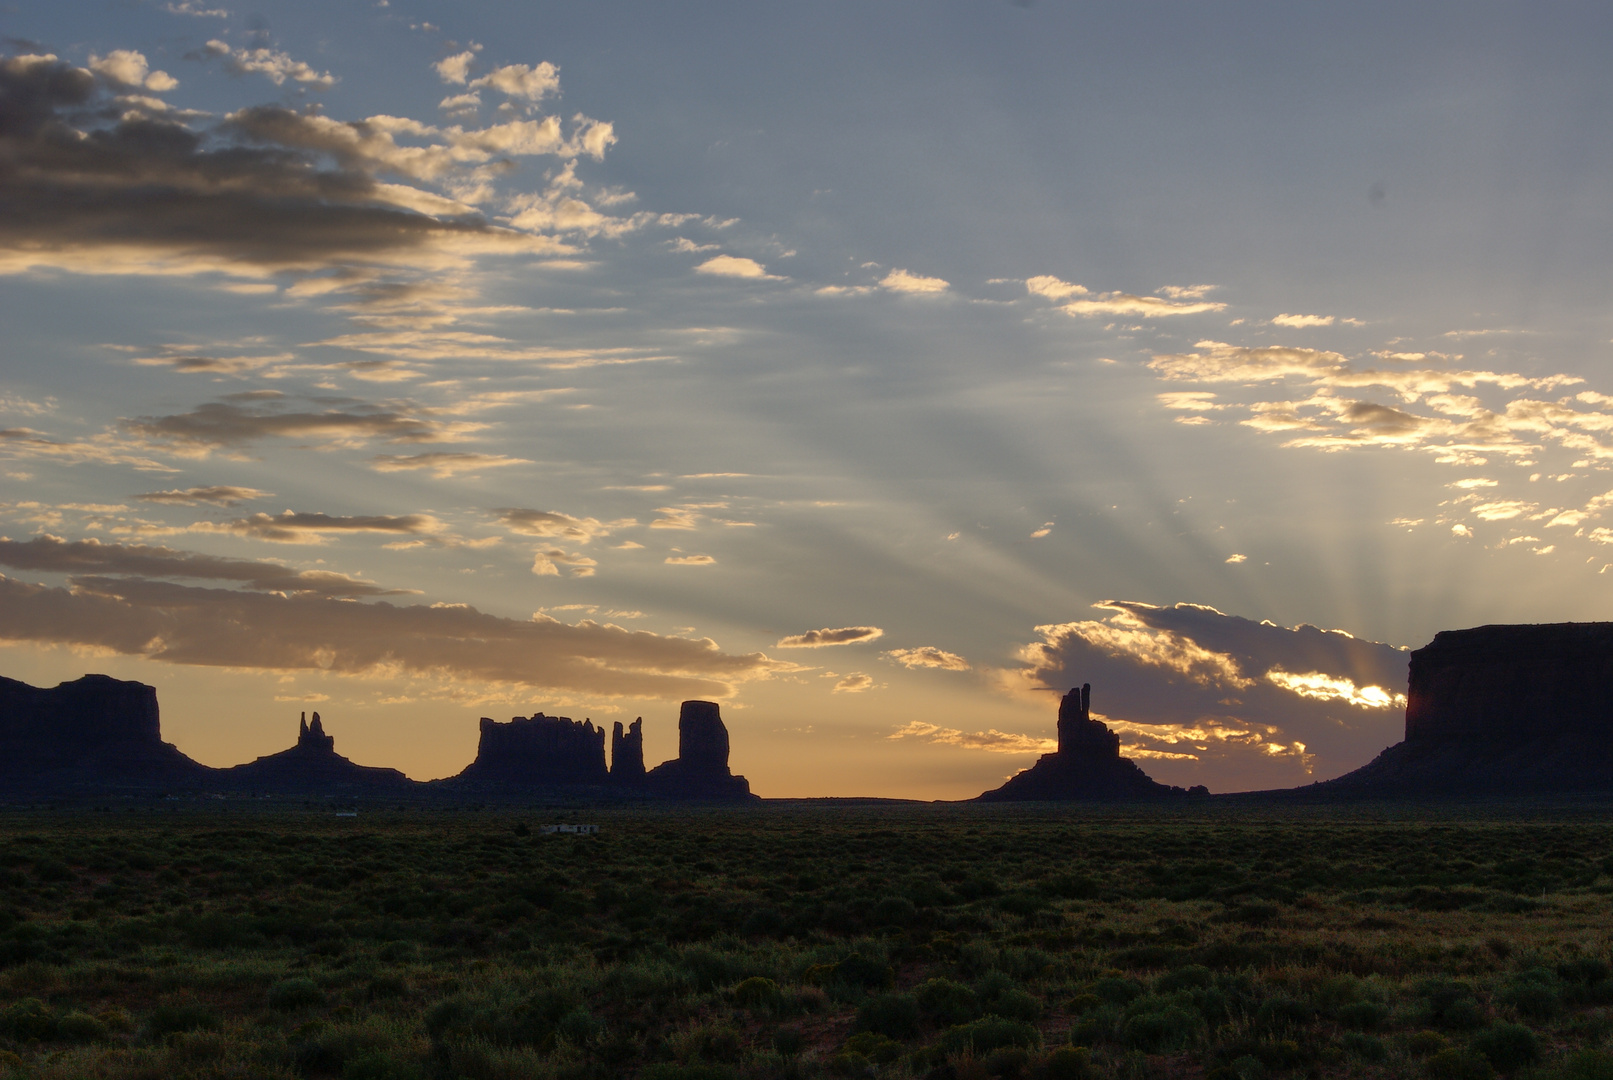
(879, 371)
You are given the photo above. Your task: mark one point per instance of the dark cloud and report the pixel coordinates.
(84, 176)
(181, 624)
(247, 418)
(1263, 705)
(845, 635)
(217, 495)
(293, 527)
(51, 554)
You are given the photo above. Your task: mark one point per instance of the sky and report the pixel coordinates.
(879, 371)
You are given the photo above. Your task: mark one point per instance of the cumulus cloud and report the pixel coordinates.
(1302, 320)
(456, 68)
(127, 67)
(1208, 694)
(817, 639)
(928, 656)
(690, 560)
(99, 188)
(855, 683)
(293, 527)
(735, 266)
(52, 554)
(552, 523)
(276, 66)
(215, 495)
(991, 740)
(1051, 287)
(905, 281)
(179, 624)
(516, 80)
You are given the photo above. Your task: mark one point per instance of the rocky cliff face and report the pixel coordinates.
(1505, 709)
(311, 767)
(700, 771)
(536, 752)
(1087, 767)
(96, 732)
(627, 754)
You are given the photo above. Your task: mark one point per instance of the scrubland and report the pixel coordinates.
(800, 941)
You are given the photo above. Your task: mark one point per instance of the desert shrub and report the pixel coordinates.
(877, 1048)
(1508, 1047)
(788, 1041)
(1117, 991)
(379, 1065)
(1191, 977)
(28, 1020)
(1448, 1004)
(709, 968)
(386, 987)
(1532, 994)
(290, 995)
(897, 911)
(80, 1027)
(948, 1003)
(580, 1027)
(757, 993)
(1457, 1063)
(1161, 1030)
(1584, 1065)
(1362, 1015)
(1283, 1013)
(700, 1070)
(1066, 1063)
(989, 1033)
(1424, 1043)
(1363, 1047)
(895, 1016)
(168, 1020)
(861, 971)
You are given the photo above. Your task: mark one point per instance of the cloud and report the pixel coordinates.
(96, 187)
(1253, 703)
(928, 656)
(552, 523)
(178, 624)
(443, 464)
(1237, 558)
(292, 527)
(276, 66)
(456, 68)
(548, 563)
(855, 683)
(130, 68)
(905, 281)
(28, 443)
(1302, 320)
(992, 740)
(1045, 530)
(1147, 307)
(216, 495)
(191, 7)
(735, 266)
(690, 560)
(52, 554)
(247, 418)
(1052, 288)
(518, 80)
(817, 639)
(1230, 363)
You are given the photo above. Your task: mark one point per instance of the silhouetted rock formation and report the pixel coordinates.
(627, 754)
(94, 734)
(700, 771)
(535, 753)
(312, 767)
(1087, 767)
(1500, 710)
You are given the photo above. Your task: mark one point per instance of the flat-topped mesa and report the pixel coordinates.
(700, 771)
(94, 733)
(537, 752)
(1501, 709)
(1087, 767)
(311, 767)
(627, 753)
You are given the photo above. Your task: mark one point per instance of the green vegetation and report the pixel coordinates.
(940, 942)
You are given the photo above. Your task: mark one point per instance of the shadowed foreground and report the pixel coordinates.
(790, 942)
